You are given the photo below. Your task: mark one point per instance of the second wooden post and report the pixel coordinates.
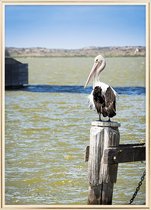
(102, 176)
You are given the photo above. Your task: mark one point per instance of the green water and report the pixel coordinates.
(47, 132)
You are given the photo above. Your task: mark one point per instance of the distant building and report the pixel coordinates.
(16, 73)
(137, 50)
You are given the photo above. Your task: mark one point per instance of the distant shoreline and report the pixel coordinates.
(125, 51)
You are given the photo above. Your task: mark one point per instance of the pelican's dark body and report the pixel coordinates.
(104, 104)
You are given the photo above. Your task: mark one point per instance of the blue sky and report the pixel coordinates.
(70, 26)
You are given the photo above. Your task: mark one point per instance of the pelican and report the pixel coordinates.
(103, 97)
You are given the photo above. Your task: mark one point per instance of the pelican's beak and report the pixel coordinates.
(92, 73)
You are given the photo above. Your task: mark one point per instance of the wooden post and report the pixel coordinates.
(101, 175)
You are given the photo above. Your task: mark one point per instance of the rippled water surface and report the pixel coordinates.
(47, 130)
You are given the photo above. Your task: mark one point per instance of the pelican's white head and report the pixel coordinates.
(98, 66)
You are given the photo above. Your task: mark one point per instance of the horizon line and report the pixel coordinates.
(88, 47)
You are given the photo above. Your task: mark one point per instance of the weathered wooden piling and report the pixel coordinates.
(101, 174)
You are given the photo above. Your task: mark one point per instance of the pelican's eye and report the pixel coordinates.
(96, 60)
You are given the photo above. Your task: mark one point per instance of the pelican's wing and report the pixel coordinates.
(110, 102)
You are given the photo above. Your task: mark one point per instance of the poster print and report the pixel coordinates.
(47, 120)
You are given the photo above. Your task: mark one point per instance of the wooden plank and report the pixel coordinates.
(102, 176)
(125, 153)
